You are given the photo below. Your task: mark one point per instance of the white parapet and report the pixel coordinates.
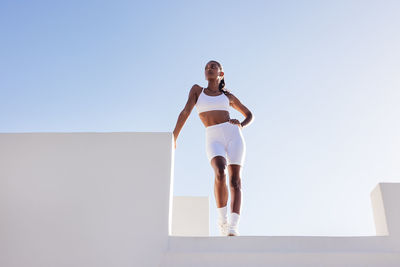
(190, 216)
(385, 200)
(106, 199)
(381, 250)
(85, 199)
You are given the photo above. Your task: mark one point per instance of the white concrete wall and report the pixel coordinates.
(386, 206)
(381, 250)
(191, 216)
(84, 199)
(105, 199)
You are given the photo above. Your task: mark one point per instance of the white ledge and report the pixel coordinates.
(105, 199)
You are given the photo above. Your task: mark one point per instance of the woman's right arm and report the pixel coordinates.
(186, 111)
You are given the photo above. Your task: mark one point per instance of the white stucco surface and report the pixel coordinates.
(190, 216)
(106, 199)
(84, 199)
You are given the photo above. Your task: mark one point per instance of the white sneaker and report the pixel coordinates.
(223, 228)
(233, 230)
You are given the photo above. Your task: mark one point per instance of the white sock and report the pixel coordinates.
(234, 219)
(223, 214)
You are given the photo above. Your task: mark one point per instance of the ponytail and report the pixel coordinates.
(222, 87)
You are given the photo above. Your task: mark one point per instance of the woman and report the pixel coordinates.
(225, 145)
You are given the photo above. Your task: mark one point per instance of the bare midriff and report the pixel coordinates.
(213, 117)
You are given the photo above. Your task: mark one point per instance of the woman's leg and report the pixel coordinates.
(220, 189)
(236, 153)
(234, 171)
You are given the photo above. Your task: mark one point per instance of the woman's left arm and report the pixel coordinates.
(236, 104)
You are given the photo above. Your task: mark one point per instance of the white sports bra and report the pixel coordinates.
(207, 102)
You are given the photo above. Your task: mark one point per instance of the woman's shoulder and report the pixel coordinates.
(196, 90)
(228, 92)
(196, 87)
(230, 96)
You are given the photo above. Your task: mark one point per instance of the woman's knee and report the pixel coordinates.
(219, 166)
(235, 181)
(220, 174)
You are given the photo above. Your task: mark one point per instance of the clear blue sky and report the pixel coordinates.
(322, 79)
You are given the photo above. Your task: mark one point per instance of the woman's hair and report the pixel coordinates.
(222, 82)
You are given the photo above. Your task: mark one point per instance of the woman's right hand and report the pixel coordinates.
(174, 142)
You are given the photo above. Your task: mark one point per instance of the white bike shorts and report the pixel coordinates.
(226, 139)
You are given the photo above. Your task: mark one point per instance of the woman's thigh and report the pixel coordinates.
(214, 149)
(236, 148)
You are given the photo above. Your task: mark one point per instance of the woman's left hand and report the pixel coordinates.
(235, 121)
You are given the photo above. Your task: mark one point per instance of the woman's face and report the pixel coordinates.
(212, 71)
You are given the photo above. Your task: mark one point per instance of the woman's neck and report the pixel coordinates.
(213, 86)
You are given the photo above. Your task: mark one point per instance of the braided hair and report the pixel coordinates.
(221, 86)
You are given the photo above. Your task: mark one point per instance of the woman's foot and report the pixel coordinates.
(234, 222)
(223, 228)
(233, 230)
